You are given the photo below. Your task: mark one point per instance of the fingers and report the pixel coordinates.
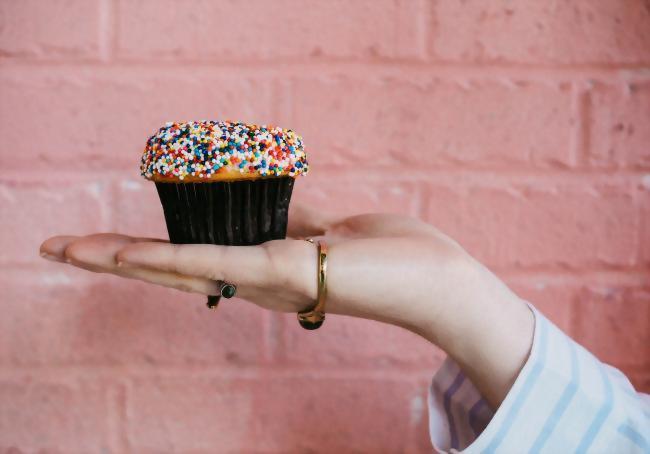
(306, 222)
(97, 253)
(382, 225)
(275, 266)
(177, 281)
(241, 264)
(54, 248)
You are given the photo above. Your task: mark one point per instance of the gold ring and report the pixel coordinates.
(314, 318)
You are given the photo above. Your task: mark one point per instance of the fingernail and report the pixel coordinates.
(51, 257)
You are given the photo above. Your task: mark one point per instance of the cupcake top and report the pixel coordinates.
(222, 150)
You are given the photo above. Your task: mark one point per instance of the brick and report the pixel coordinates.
(411, 124)
(102, 119)
(555, 300)
(276, 415)
(40, 415)
(645, 221)
(189, 415)
(619, 135)
(355, 342)
(49, 30)
(105, 320)
(583, 31)
(347, 194)
(138, 210)
(365, 415)
(33, 210)
(641, 381)
(282, 29)
(541, 223)
(614, 324)
(443, 207)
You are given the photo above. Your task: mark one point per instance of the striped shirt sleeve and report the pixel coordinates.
(564, 400)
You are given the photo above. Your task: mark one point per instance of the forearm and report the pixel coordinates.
(451, 300)
(483, 326)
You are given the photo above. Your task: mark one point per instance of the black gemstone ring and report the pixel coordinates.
(225, 289)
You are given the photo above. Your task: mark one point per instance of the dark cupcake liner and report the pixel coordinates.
(237, 213)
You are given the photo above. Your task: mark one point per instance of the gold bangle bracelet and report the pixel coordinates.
(314, 318)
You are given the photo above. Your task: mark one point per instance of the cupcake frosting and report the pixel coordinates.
(222, 150)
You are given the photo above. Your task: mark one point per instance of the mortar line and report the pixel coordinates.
(322, 66)
(106, 30)
(116, 418)
(432, 174)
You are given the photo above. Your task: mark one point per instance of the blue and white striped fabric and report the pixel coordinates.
(563, 401)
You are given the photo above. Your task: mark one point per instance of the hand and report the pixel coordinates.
(382, 267)
(281, 275)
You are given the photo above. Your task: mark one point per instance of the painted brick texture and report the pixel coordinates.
(53, 30)
(521, 129)
(556, 32)
(283, 29)
(375, 120)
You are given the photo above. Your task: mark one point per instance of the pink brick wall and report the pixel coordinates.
(521, 129)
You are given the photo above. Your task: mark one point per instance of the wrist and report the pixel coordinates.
(483, 326)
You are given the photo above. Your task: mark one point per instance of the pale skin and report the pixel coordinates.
(382, 267)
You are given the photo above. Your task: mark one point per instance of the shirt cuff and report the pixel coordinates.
(563, 399)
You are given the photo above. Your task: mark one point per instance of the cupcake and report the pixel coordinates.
(222, 182)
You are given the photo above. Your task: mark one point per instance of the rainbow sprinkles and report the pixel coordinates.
(204, 150)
